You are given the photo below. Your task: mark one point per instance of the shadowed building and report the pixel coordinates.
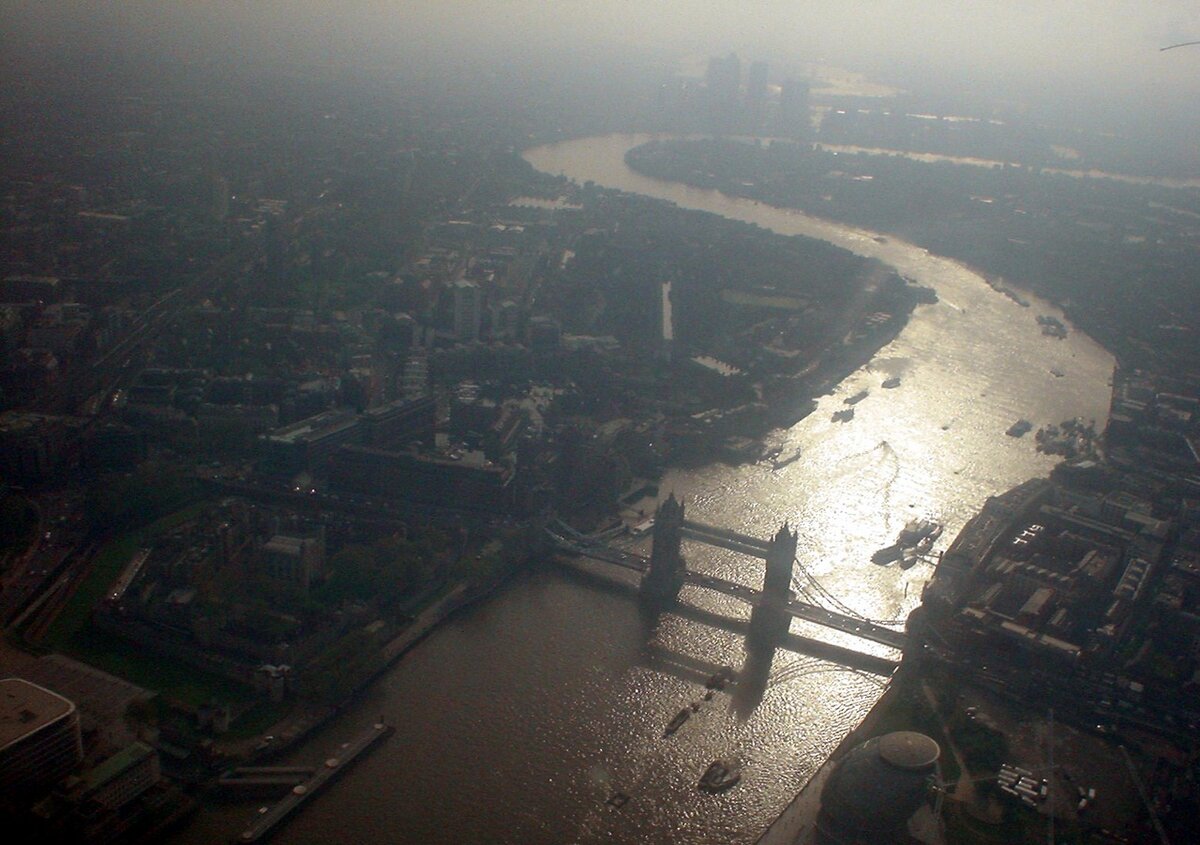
(40, 740)
(877, 789)
(794, 109)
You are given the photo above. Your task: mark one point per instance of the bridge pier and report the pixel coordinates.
(770, 619)
(664, 576)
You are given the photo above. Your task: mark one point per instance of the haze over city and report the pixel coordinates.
(535, 422)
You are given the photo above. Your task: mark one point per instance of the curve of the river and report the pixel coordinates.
(517, 720)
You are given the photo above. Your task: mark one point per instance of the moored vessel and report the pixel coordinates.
(718, 777)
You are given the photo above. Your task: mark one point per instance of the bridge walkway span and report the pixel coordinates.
(703, 532)
(796, 607)
(724, 543)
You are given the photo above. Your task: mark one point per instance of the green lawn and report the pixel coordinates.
(74, 618)
(73, 634)
(175, 680)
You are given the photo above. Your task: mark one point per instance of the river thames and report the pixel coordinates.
(520, 717)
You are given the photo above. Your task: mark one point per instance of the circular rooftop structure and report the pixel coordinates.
(876, 787)
(909, 750)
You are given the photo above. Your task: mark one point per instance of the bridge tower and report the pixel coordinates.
(769, 621)
(665, 575)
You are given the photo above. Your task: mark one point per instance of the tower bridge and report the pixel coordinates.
(664, 574)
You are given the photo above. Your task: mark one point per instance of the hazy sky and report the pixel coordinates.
(1099, 49)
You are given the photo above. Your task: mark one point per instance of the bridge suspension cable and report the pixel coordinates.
(835, 601)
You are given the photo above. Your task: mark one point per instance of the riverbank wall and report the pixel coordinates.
(300, 727)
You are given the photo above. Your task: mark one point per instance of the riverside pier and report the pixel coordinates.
(346, 755)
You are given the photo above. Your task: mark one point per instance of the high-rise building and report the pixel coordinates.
(468, 309)
(506, 318)
(545, 335)
(794, 118)
(756, 93)
(723, 81)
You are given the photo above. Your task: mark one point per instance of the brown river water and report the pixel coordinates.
(518, 718)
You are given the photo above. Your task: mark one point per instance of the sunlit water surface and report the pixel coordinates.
(518, 719)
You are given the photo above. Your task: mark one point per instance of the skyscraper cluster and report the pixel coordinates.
(731, 108)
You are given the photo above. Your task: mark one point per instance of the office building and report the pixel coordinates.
(756, 93)
(308, 444)
(461, 480)
(398, 423)
(794, 120)
(40, 741)
(468, 310)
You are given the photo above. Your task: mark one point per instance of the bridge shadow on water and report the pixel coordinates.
(754, 676)
(693, 670)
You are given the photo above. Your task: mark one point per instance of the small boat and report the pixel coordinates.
(894, 381)
(857, 397)
(916, 530)
(718, 777)
(843, 416)
(617, 800)
(779, 463)
(676, 723)
(1052, 326)
(719, 679)
(1019, 429)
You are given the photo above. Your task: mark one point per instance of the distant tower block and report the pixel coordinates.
(770, 621)
(665, 575)
(794, 117)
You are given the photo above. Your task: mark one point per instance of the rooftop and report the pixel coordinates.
(26, 708)
(321, 425)
(118, 764)
(908, 750)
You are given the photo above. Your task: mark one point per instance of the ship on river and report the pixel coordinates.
(718, 777)
(1019, 429)
(677, 722)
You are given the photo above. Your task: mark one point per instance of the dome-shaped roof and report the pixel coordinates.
(909, 750)
(878, 785)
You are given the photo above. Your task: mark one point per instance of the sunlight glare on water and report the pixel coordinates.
(517, 720)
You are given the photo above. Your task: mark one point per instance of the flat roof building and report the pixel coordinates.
(309, 443)
(40, 741)
(393, 425)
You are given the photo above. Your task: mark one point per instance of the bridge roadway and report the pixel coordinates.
(796, 607)
(581, 546)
